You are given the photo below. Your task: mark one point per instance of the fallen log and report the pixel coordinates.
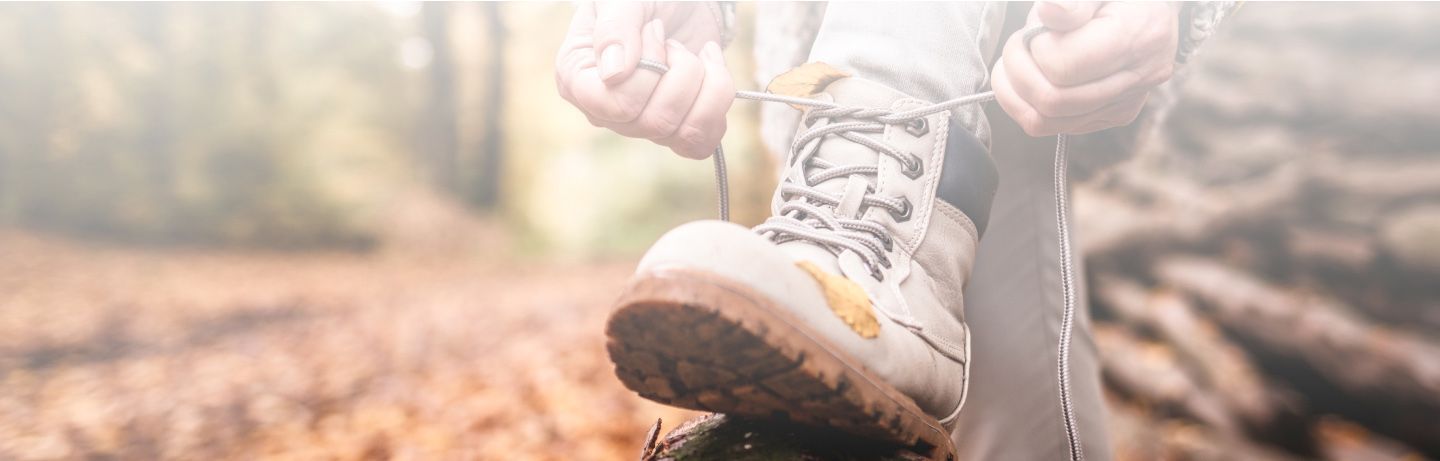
(1381, 377)
(1355, 354)
(1340, 439)
(1215, 365)
(1176, 213)
(723, 438)
(1412, 237)
(1148, 371)
(1141, 435)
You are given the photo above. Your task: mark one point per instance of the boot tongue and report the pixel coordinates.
(849, 91)
(843, 152)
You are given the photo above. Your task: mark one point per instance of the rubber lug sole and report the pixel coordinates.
(696, 340)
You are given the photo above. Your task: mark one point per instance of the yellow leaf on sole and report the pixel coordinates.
(846, 299)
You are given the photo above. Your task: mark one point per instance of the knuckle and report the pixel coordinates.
(1033, 130)
(687, 151)
(691, 136)
(660, 123)
(1064, 72)
(625, 109)
(564, 91)
(1048, 100)
(1129, 117)
(1033, 124)
(1166, 72)
(608, 28)
(1133, 113)
(1056, 68)
(562, 86)
(594, 122)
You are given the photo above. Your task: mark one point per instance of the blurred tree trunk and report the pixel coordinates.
(157, 137)
(439, 131)
(492, 141)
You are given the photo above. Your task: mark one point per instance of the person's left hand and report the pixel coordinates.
(1093, 67)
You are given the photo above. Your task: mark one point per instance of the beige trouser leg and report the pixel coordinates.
(938, 51)
(1013, 306)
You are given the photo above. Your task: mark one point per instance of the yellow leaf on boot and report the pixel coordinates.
(806, 80)
(846, 299)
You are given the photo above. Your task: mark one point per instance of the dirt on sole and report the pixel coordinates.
(696, 340)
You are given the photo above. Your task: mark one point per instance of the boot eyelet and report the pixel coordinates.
(875, 272)
(911, 167)
(889, 244)
(904, 212)
(917, 127)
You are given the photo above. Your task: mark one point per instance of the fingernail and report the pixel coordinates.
(612, 60)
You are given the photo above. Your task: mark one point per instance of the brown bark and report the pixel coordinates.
(1176, 212)
(723, 438)
(1149, 371)
(1141, 435)
(1357, 355)
(1383, 378)
(1215, 365)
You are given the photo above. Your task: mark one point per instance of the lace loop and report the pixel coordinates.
(808, 214)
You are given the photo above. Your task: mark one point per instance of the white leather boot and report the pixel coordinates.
(845, 308)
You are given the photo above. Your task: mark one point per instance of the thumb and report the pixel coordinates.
(617, 38)
(1065, 16)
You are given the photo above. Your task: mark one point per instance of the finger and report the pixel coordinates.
(617, 38)
(1064, 16)
(704, 126)
(575, 52)
(633, 93)
(673, 96)
(1098, 49)
(1020, 111)
(624, 102)
(1051, 100)
(1120, 113)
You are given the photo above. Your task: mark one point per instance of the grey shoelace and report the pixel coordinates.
(804, 219)
(868, 239)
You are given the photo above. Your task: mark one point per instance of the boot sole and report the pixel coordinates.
(696, 340)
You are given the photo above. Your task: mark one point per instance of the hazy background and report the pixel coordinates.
(373, 230)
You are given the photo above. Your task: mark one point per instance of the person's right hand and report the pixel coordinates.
(596, 70)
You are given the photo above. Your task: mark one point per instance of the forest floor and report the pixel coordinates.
(1261, 279)
(207, 354)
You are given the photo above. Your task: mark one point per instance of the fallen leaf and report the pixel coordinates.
(846, 299)
(806, 80)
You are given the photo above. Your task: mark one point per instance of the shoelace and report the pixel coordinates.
(802, 215)
(869, 239)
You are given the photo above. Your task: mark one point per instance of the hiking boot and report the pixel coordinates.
(845, 308)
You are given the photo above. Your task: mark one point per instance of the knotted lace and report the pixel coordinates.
(808, 213)
(807, 220)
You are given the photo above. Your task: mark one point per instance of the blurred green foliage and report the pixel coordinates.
(172, 122)
(299, 125)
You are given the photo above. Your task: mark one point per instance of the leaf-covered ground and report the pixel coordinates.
(401, 354)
